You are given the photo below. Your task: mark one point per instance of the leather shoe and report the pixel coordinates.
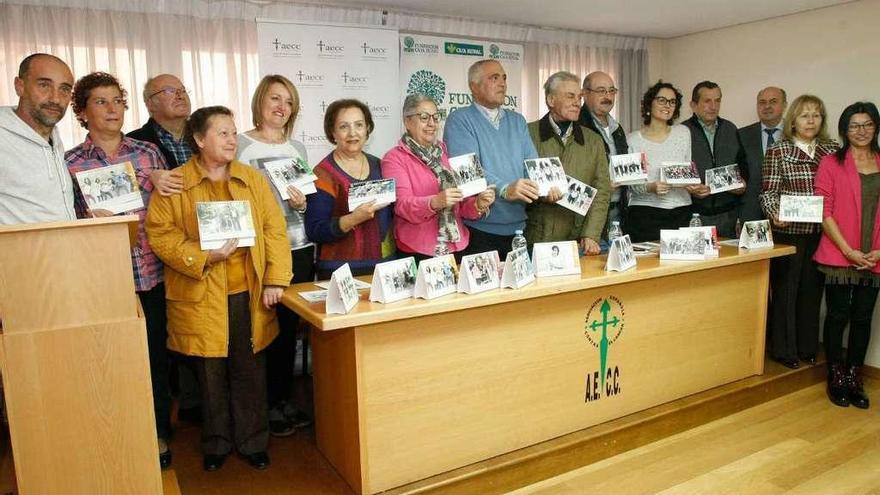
(258, 460)
(788, 363)
(165, 459)
(810, 360)
(212, 462)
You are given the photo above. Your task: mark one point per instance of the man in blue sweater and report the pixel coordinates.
(500, 138)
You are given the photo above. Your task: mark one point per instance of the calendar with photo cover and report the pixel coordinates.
(756, 234)
(711, 237)
(290, 171)
(518, 270)
(479, 273)
(556, 258)
(628, 169)
(578, 197)
(621, 256)
(393, 280)
(468, 173)
(679, 173)
(381, 191)
(436, 277)
(725, 178)
(804, 209)
(547, 173)
(113, 188)
(686, 245)
(342, 295)
(220, 221)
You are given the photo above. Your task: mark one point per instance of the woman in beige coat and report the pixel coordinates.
(220, 301)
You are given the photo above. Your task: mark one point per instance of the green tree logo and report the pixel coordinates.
(494, 50)
(409, 42)
(428, 83)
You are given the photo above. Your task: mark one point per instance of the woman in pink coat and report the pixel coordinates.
(849, 251)
(429, 203)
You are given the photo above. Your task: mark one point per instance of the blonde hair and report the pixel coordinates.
(795, 109)
(260, 94)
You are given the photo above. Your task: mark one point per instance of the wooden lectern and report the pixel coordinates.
(73, 354)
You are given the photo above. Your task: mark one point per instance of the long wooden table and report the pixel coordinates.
(412, 389)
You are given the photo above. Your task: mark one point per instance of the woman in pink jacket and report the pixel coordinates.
(429, 204)
(849, 251)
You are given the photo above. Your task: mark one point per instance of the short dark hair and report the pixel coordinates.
(197, 124)
(648, 99)
(339, 105)
(695, 95)
(843, 126)
(25, 64)
(82, 90)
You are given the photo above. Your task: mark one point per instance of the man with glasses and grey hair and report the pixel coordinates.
(167, 101)
(583, 157)
(599, 95)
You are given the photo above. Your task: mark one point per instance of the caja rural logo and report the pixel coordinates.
(603, 327)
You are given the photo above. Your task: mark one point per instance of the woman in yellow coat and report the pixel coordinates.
(220, 301)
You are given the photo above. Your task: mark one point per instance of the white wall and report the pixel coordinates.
(833, 53)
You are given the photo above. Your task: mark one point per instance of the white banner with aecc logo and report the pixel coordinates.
(327, 62)
(437, 66)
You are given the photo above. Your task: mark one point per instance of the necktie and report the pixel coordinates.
(770, 133)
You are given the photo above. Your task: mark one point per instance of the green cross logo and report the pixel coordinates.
(605, 314)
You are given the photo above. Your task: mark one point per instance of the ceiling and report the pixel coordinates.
(649, 18)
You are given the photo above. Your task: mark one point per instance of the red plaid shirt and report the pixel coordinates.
(788, 170)
(145, 157)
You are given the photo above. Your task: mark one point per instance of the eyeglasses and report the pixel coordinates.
(604, 91)
(171, 92)
(425, 116)
(665, 101)
(866, 126)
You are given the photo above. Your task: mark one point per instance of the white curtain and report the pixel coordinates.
(211, 46)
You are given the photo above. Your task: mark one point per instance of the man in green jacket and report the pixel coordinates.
(583, 157)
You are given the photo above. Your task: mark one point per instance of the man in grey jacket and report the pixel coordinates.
(34, 183)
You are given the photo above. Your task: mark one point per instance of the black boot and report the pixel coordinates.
(856, 388)
(838, 386)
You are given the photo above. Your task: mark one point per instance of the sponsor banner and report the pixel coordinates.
(437, 66)
(327, 62)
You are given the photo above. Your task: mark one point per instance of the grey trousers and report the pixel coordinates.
(234, 390)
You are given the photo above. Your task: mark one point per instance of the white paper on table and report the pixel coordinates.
(756, 234)
(711, 234)
(621, 256)
(358, 284)
(479, 273)
(436, 277)
(681, 245)
(556, 258)
(518, 269)
(393, 280)
(314, 296)
(342, 295)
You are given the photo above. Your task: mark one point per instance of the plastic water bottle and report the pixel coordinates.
(696, 221)
(519, 241)
(614, 231)
(441, 249)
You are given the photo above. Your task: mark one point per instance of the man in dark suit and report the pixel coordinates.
(599, 95)
(756, 138)
(168, 103)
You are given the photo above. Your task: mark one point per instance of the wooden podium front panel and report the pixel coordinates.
(447, 390)
(81, 411)
(64, 276)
